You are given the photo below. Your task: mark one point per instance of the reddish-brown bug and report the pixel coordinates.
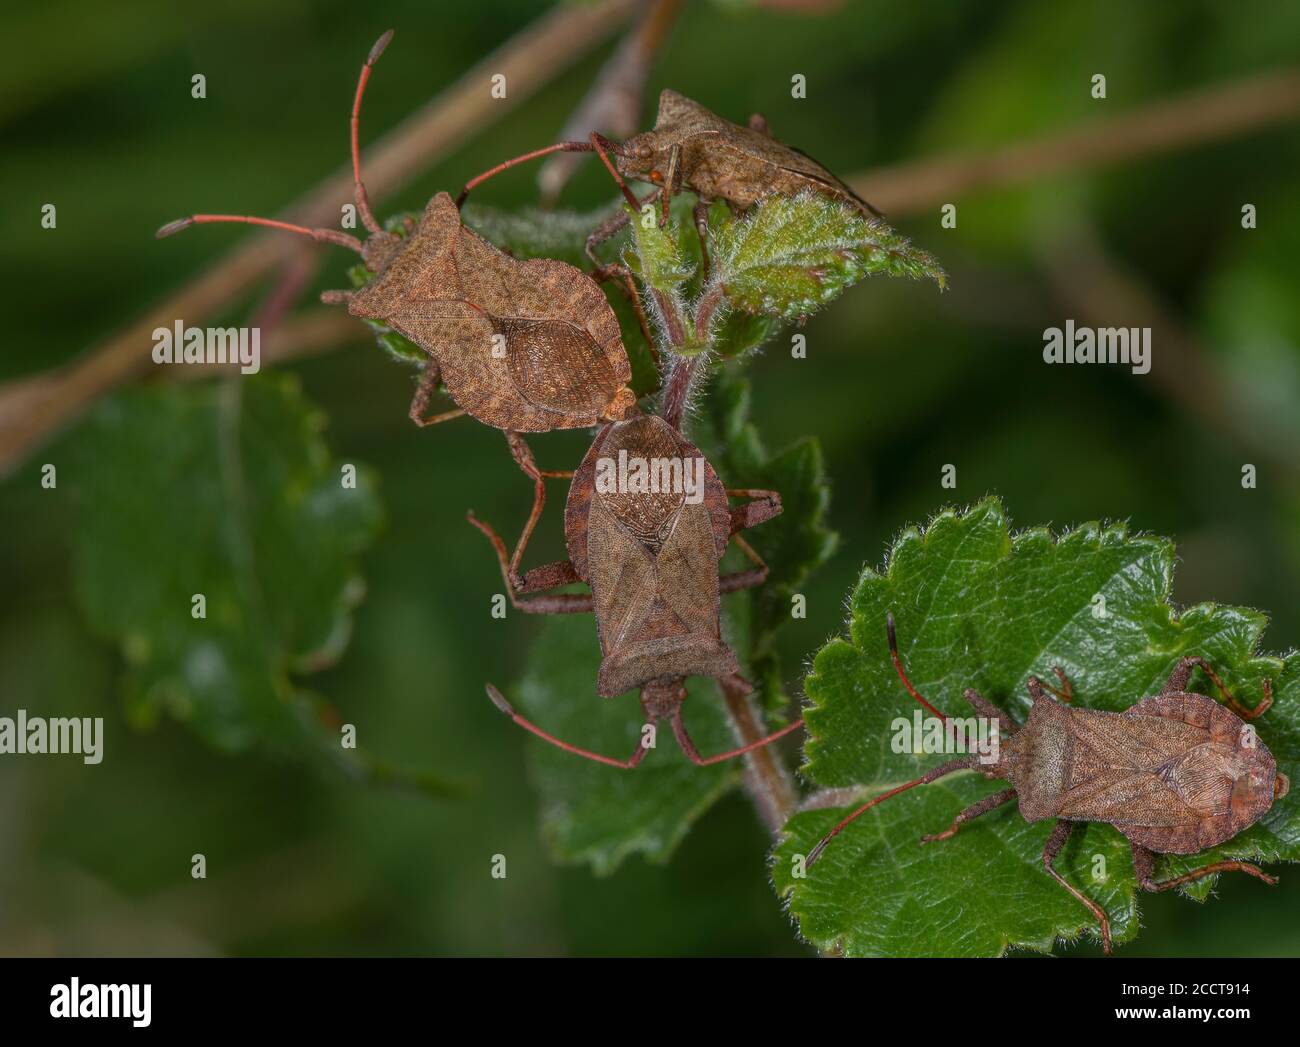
(1176, 773)
(693, 148)
(649, 552)
(521, 345)
(526, 346)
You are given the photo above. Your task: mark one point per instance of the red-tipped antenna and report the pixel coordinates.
(925, 779)
(598, 144)
(505, 165)
(498, 699)
(332, 236)
(898, 667)
(358, 188)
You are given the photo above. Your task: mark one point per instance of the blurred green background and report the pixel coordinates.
(97, 117)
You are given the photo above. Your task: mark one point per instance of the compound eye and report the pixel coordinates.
(656, 177)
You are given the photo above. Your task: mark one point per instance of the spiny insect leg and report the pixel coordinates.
(424, 393)
(973, 811)
(1144, 865)
(763, 506)
(693, 754)
(1055, 843)
(546, 577)
(523, 456)
(1183, 672)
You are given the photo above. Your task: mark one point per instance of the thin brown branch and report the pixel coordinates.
(1101, 292)
(31, 410)
(766, 779)
(1206, 115)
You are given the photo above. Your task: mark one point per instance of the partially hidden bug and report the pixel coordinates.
(650, 557)
(521, 345)
(691, 147)
(1176, 773)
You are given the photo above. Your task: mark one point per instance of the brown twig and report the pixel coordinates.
(766, 778)
(33, 409)
(1087, 280)
(1205, 115)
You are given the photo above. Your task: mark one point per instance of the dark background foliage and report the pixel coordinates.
(97, 117)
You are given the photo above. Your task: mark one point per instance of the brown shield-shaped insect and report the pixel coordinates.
(524, 346)
(692, 147)
(649, 549)
(1176, 773)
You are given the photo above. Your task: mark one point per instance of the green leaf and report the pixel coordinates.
(789, 256)
(979, 607)
(597, 814)
(658, 257)
(223, 489)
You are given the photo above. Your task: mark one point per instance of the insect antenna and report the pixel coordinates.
(331, 236)
(358, 187)
(598, 144)
(925, 779)
(898, 667)
(499, 700)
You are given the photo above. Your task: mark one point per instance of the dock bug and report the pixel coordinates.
(691, 147)
(1176, 773)
(649, 551)
(521, 345)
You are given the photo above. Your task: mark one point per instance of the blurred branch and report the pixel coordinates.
(1088, 280)
(613, 103)
(33, 409)
(1202, 116)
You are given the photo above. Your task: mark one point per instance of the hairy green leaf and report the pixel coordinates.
(789, 256)
(979, 607)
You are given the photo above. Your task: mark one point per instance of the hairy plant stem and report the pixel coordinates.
(767, 780)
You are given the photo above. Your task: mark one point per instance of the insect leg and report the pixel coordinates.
(1055, 843)
(638, 754)
(1064, 693)
(672, 182)
(747, 579)
(973, 811)
(1183, 672)
(547, 577)
(424, 393)
(762, 507)
(1144, 865)
(523, 457)
(941, 771)
(693, 754)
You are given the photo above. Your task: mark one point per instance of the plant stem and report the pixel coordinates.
(766, 778)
